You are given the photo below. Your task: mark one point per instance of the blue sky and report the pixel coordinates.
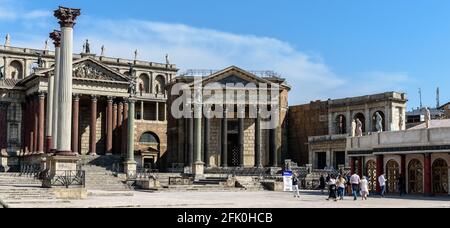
(326, 49)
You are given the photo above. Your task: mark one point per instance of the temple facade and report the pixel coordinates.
(99, 106)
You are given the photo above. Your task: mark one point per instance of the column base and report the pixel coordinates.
(130, 168)
(60, 166)
(65, 153)
(198, 169)
(92, 154)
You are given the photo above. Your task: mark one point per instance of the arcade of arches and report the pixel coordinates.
(423, 173)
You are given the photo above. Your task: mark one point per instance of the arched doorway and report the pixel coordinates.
(440, 177)
(372, 174)
(15, 70)
(341, 125)
(361, 118)
(393, 172)
(374, 121)
(415, 177)
(149, 146)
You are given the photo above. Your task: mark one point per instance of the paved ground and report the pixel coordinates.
(244, 200)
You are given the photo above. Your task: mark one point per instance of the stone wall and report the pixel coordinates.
(85, 119)
(304, 121)
(158, 128)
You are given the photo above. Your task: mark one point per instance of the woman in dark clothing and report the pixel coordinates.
(322, 184)
(332, 188)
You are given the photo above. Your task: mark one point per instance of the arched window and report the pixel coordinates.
(144, 83)
(375, 122)
(160, 83)
(341, 124)
(361, 118)
(15, 70)
(149, 138)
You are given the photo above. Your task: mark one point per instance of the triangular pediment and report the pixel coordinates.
(233, 75)
(90, 69)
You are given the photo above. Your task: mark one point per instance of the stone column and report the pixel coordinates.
(273, 147)
(119, 127)
(49, 114)
(41, 120)
(157, 111)
(380, 170)
(66, 18)
(353, 165)
(241, 123)
(75, 122)
(124, 128)
(191, 140)
(93, 127)
(142, 110)
(130, 163)
(165, 112)
(224, 140)
(31, 123)
(3, 126)
(114, 130)
(109, 126)
(36, 124)
(56, 37)
(427, 174)
(198, 168)
(206, 141)
(258, 162)
(26, 126)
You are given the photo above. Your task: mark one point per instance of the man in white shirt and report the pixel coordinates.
(355, 180)
(382, 181)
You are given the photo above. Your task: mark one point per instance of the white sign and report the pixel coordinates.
(287, 179)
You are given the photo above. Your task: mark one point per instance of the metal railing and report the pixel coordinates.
(144, 174)
(30, 170)
(64, 178)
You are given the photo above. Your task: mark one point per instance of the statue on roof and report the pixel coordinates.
(7, 40)
(167, 59)
(87, 47)
(102, 50)
(427, 118)
(135, 54)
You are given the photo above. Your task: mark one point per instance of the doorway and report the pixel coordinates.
(321, 160)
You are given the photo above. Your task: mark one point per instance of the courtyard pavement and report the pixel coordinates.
(262, 199)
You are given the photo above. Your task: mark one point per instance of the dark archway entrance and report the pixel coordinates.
(233, 144)
(440, 177)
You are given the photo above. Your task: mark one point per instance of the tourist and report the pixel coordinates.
(295, 186)
(355, 181)
(332, 188)
(326, 181)
(349, 186)
(364, 188)
(382, 182)
(322, 184)
(402, 184)
(341, 186)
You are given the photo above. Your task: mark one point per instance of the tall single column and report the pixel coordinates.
(224, 140)
(206, 143)
(130, 163)
(119, 127)
(124, 129)
(31, 123)
(114, 130)
(109, 126)
(198, 168)
(66, 18)
(27, 125)
(56, 37)
(3, 126)
(241, 122)
(157, 111)
(93, 127)
(380, 170)
(75, 122)
(427, 174)
(49, 114)
(258, 162)
(41, 120)
(191, 140)
(36, 124)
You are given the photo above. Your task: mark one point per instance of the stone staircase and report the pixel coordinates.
(99, 174)
(22, 191)
(249, 183)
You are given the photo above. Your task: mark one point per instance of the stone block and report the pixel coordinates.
(71, 193)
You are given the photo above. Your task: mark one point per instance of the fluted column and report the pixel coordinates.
(114, 128)
(119, 127)
(124, 128)
(191, 140)
(75, 121)
(41, 122)
(53, 112)
(27, 125)
(207, 141)
(67, 21)
(258, 162)
(109, 126)
(241, 122)
(31, 123)
(35, 123)
(93, 127)
(224, 140)
(131, 107)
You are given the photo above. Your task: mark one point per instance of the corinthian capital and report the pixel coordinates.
(56, 37)
(67, 16)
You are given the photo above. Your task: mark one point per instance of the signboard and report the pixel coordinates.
(287, 179)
